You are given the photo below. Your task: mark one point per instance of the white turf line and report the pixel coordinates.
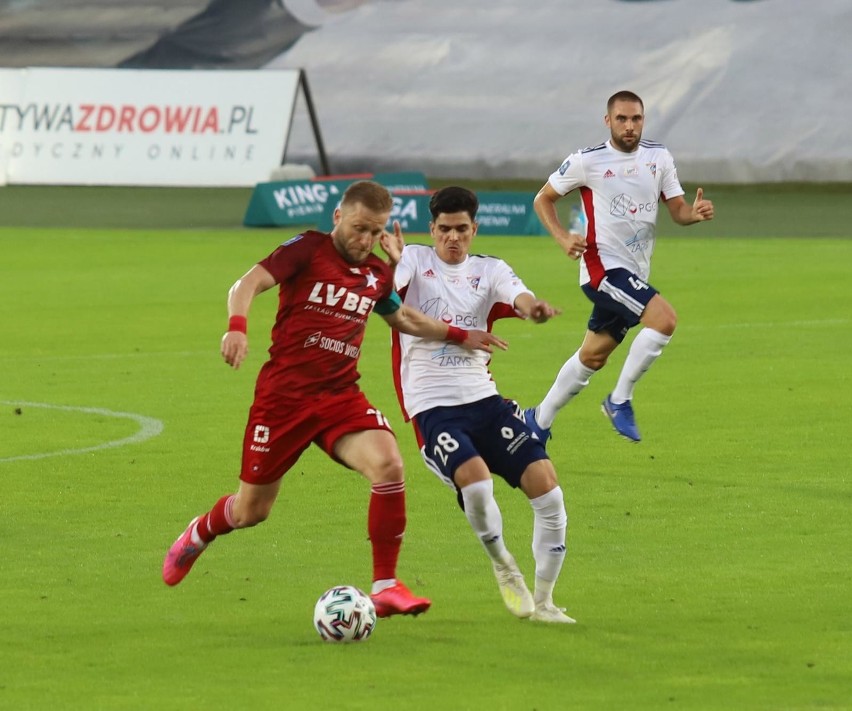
(148, 428)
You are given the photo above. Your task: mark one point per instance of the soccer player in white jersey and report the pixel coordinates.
(466, 430)
(621, 183)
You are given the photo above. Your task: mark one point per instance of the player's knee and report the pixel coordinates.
(592, 360)
(668, 323)
(673, 324)
(661, 316)
(539, 478)
(387, 469)
(478, 496)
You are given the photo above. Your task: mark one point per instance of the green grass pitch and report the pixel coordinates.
(708, 566)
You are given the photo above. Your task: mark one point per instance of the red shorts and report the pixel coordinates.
(277, 432)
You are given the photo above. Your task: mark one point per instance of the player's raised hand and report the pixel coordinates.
(701, 209)
(477, 340)
(234, 348)
(392, 244)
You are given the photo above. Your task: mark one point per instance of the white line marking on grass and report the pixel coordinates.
(108, 356)
(148, 428)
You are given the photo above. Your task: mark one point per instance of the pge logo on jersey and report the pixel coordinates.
(623, 205)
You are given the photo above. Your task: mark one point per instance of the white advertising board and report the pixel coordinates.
(143, 127)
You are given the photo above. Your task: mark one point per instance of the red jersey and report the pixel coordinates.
(323, 306)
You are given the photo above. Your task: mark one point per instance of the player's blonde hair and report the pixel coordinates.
(371, 195)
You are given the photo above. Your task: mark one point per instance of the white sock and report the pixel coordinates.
(571, 379)
(379, 585)
(645, 349)
(548, 544)
(543, 590)
(485, 519)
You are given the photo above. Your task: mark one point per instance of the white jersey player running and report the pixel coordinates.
(620, 193)
(621, 183)
(466, 430)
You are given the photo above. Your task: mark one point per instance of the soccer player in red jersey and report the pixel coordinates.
(307, 391)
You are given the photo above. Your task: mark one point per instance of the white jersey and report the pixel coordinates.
(620, 193)
(469, 295)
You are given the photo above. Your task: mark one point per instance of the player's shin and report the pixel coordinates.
(548, 545)
(645, 349)
(218, 521)
(571, 379)
(386, 526)
(485, 518)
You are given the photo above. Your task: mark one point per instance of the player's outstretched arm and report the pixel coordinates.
(234, 346)
(414, 323)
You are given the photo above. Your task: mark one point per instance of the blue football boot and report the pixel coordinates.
(622, 418)
(542, 433)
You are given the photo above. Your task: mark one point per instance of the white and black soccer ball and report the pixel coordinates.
(344, 614)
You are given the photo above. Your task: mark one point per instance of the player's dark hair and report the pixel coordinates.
(371, 195)
(624, 95)
(454, 199)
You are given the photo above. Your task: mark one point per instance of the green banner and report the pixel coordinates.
(303, 202)
(508, 214)
(410, 208)
(500, 213)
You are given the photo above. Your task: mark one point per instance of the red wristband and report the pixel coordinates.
(456, 334)
(237, 323)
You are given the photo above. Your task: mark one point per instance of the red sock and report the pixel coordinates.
(217, 521)
(386, 524)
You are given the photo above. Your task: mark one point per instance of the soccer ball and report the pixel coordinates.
(344, 614)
